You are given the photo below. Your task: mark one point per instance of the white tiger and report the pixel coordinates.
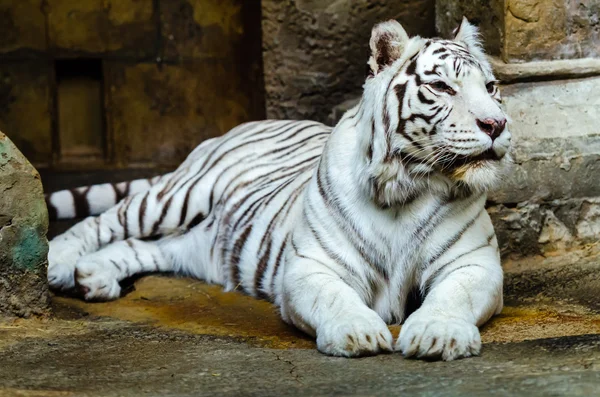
(341, 228)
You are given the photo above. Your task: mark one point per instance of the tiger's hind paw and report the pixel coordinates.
(96, 281)
(62, 257)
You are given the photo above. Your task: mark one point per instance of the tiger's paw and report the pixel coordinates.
(429, 337)
(62, 257)
(355, 335)
(96, 281)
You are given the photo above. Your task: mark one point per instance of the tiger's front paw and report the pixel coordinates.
(431, 337)
(355, 335)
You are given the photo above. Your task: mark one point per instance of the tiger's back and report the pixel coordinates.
(248, 186)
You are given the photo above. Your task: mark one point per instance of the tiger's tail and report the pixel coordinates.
(84, 201)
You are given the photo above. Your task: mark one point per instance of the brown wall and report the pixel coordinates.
(315, 51)
(105, 84)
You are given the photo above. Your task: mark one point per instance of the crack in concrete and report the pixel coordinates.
(295, 376)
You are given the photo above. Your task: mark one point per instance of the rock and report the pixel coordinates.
(532, 228)
(588, 226)
(23, 243)
(554, 235)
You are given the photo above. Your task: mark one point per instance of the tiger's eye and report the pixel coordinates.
(442, 87)
(491, 87)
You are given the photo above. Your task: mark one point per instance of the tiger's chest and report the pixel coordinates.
(396, 247)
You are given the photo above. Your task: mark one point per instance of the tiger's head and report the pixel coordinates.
(433, 105)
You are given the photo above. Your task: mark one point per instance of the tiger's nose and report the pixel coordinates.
(492, 127)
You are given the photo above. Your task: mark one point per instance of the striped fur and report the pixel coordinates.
(341, 228)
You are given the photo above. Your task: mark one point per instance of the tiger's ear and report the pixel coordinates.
(388, 40)
(467, 34)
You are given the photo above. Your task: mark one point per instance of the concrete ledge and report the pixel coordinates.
(545, 70)
(556, 140)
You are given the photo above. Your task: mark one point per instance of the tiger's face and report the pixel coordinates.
(441, 105)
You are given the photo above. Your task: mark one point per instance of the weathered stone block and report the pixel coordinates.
(120, 27)
(532, 228)
(23, 26)
(201, 28)
(159, 113)
(526, 30)
(25, 102)
(315, 52)
(556, 140)
(23, 227)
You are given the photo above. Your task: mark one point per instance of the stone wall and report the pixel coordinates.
(315, 52)
(529, 30)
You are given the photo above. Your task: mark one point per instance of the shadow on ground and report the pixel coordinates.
(173, 336)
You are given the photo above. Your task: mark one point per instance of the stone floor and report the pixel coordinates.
(174, 337)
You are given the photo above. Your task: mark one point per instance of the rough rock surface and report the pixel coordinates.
(528, 30)
(23, 227)
(532, 228)
(556, 141)
(315, 52)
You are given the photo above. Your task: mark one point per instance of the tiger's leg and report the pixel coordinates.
(319, 302)
(463, 294)
(97, 275)
(145, 214)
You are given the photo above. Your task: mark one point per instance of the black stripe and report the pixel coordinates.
(195, 221)
(276, 267)
(135, 253)
(431, 280)
(98, 240)
(52, 210)
(423, 99)
(235, 256)
(142, 212)
(116, 265)
(440, 269)
(125, 218)
(448, 244)
(260, 271)
(161, 218)
(80, 202)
